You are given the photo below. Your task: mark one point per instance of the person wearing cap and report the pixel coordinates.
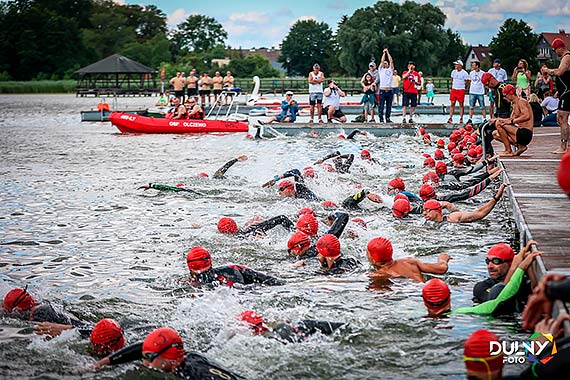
(258, 228)
(290, 189)
(518, 129)
(342, 162)
(433, 210)
(330, 257)
(380, 255)
(285, 331)
(501, 75)
(411, 79)
(562, 74)
(163, 350)
(300, 244)
(460, 79)
(386, 79)
(398, 186)
(289, 111)
(316, 80)
(199, 264)
(368, 100)
(476, 91)
(375, 74)
(331, 103)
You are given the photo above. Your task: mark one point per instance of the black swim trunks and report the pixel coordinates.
(524, 136)
(337, 113)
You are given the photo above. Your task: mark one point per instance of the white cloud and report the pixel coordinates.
(561, 11)
(176, 17)
(120, 2)
(471, 20)
(236, 29)
(337, 5)
(550, 7)
(250, 17)
(303, 18)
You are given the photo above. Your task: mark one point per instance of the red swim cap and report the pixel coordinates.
(478, 346)
(249, 136)
(472, 153)
(461, 130)
(509, 90)
(202, 174)
(309, 172)
(341, 136)
(19, 299)
(328, 245)
(284, 185)
(469, 127)
(479, 150)
(451, 146)
(432, 205)
(426, 155)
(308, 224)
(107, 337)
(440, 143)
(422, 131)
(361, 222)
(441, 168)
(455, 151)
(435, 293)
(429, 163)
(430, 177)
(453, 137)
(439, 154)
(380, 249)
(400, 196)
(227, 226)
(161, 338)
(328, 167)
(427, 136)
(502, 251)
(255, 321)
(557, 43)
(329, 204)
(397, 183)
(298, 241)
(306, 210)
(401, 208)
(459, 158)
(486, 77)
(365, 155)
(427, 192)
(198, 259)
(564, 173)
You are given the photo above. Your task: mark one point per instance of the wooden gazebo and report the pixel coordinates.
(118, 76)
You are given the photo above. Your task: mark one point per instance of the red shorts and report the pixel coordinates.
(457, 95)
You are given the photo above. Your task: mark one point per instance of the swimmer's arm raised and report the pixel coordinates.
(221, 171)
(290, 173)
(436, 268)
(336, 153)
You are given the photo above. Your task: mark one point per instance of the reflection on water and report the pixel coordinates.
(76, 229)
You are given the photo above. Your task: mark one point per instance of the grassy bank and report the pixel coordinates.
(38, 87)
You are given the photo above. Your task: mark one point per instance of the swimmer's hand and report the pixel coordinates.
(269, 183)
(51, 329)
(300, 263)
(529, 258)
(101, 363)
(242, 158)
(496, 174)
(374, 198)
(146, 187)
(443, 257)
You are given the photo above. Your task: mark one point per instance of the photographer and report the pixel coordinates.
(521, 75)
(289, 110)
(331, 103)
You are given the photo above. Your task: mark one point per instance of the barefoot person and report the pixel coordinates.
(518, 129)
(379, 252)
(562, 74)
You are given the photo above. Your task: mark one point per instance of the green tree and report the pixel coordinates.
(454, 49)
(515, 40)
(251, 65)
(308, 42)
(151, 53)
(198, 33)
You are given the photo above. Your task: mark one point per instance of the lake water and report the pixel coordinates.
(74, 227)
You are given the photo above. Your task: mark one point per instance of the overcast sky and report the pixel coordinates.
(263, 23)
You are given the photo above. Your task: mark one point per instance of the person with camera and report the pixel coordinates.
(289, 110)
(331, 103)
(521, 76)
(411, 79)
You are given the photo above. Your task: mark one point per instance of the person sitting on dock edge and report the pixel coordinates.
(289, 110)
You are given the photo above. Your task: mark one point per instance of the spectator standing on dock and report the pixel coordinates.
(386, 74)
(331, 103)
(205, 82)
(501, 75)
(228, 84)
(178, 83)
(460, 79)
(192, 85)
(562, 74)
(521, 76)
(410, 97)
(217, 82)
(316, 79)
(420, 86)
(373, 71)
(430, 88)
(369, 98)
(476, 90)
(396, 80)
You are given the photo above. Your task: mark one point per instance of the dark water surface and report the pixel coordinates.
(74, 227)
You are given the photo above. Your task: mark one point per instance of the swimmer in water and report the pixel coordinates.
(292, 189)
(342, 162)
(379, 252)
(259, 228)
(300, 245)
(163, 350)
(331, 259)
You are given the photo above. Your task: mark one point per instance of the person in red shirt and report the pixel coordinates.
(410, 78)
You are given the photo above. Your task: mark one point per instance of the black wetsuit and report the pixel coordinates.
(267, 225)
(342, 162)
(340, 222)
(563, 87)
(460, 172)
(288, 333)
(471, 180)
(489, 289)
(502, 110)
(352, 134)
(351, 203)
(221, 171)
(234, 274)
(301, 191)
(194, 367)
(45, 312)
(340, 265)
(465, 194)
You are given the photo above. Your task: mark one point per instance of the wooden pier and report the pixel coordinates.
(540, 208)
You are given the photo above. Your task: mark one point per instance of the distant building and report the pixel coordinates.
(271, 54)
(477, 53)
(544, 45)
(221, 62)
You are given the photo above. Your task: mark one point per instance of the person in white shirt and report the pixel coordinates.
(331, 103)
(386, 73)
(316, 79)
(460, 78)
(476, 90)
(501, 76)
(550, 105)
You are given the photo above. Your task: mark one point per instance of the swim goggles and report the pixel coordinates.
(150, 356)
(496, 261)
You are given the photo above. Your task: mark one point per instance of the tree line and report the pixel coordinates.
(50, 39)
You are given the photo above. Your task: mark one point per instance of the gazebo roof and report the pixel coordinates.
(116, 64)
